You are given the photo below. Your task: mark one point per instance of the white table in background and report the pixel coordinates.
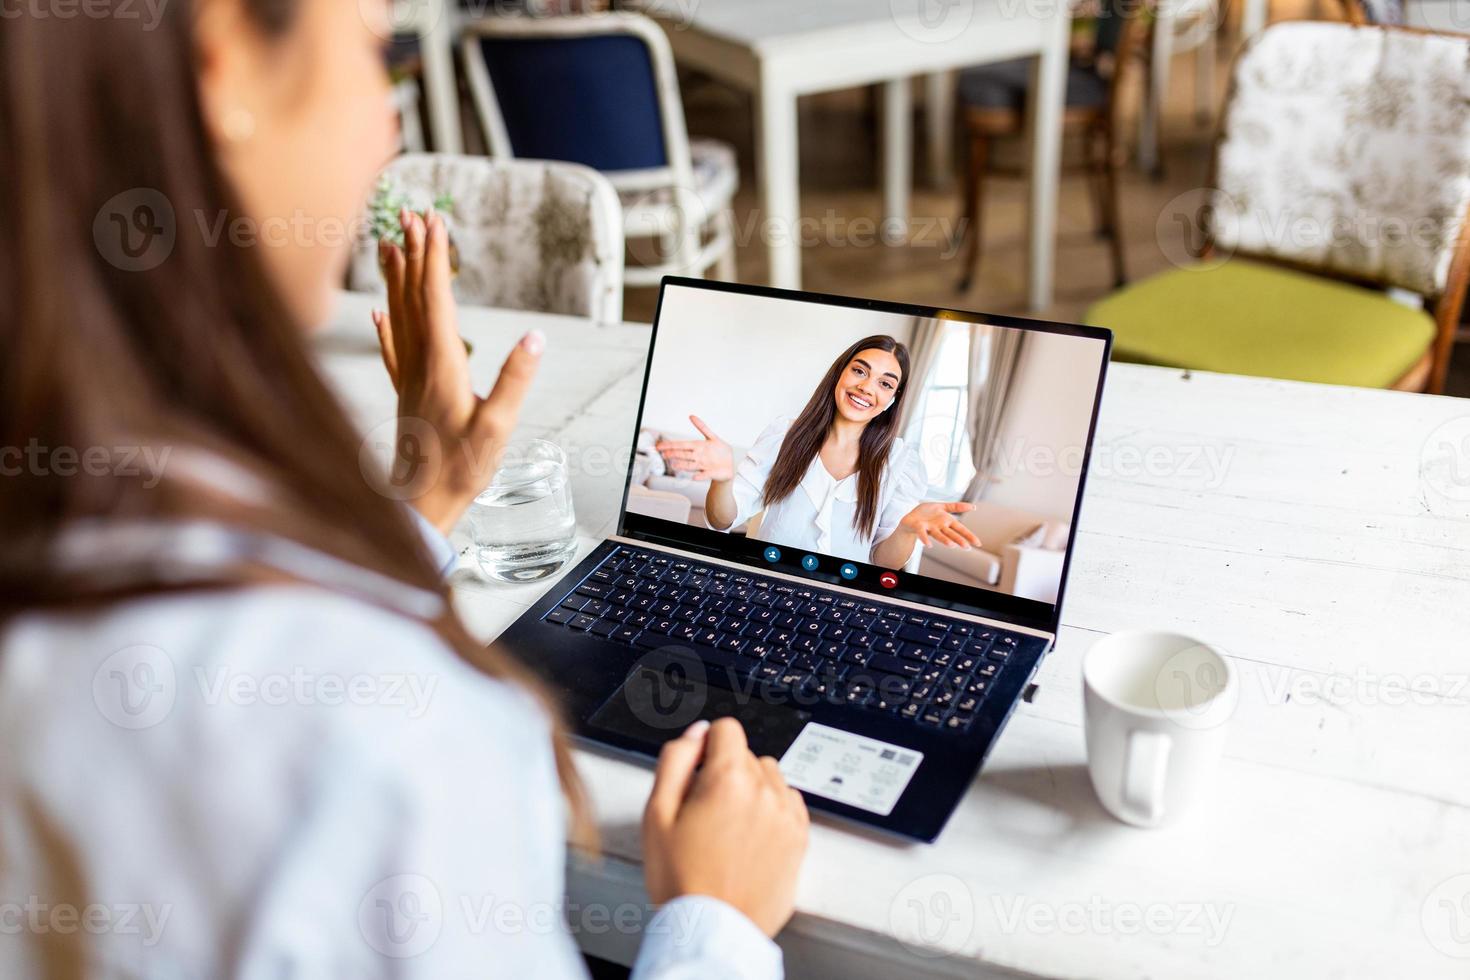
(1319, 536)
(782, 49)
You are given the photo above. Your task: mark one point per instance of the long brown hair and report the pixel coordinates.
(805, 437)
(195, 351)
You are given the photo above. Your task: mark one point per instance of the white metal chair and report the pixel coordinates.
(601, 89)
(529, 234)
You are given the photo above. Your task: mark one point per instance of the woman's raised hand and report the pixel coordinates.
(709, 458)
(722, 823)
(933, 522)
(449, 439)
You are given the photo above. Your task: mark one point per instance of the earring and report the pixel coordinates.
(238, 125)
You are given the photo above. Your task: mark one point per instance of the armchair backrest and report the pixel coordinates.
(1346, 151)
(530, 234)
(595, 89)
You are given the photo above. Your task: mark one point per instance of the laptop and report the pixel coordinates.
(811, 541)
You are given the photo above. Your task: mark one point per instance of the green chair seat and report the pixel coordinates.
(1245, 317)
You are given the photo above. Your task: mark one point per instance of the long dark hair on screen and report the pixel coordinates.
(807, 433)
(198, 352)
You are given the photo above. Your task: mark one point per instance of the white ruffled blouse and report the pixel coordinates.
(820, 515)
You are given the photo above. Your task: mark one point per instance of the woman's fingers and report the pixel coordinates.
(393, 275)
(726, 741)
(703, 429)
(952, 537)
(385, 345)
(441, 327)
(413, 275)
(676, 765)
(677, 444)
(970, 536)
(496, 414)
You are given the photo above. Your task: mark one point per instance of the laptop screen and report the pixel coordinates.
(927, 454)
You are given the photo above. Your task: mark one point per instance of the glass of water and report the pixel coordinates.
(522, 525)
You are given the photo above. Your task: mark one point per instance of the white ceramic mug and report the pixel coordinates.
(1156, 705)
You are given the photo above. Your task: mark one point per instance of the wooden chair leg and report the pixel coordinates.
(974, 188)
(1096, 181)
(1110, 207)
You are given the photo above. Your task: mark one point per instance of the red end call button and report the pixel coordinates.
(888, 580)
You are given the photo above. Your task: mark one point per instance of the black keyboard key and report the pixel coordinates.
(928, 636)
(913, 651)
(987, 670)
(582, 621)
(603, 627)
(887, 645)
(893, 665)
(596, 590)
(560, 616)
(596, 607)
(662, 627)
(625, 634)
(734, 644)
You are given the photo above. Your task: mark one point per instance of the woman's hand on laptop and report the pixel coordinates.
(709, 458)
(449, 439)
(730, 829)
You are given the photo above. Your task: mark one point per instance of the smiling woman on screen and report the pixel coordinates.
(201, 667)
(836, 480)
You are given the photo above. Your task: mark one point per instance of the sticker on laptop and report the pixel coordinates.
(852, 769)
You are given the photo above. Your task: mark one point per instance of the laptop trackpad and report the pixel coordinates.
(663, 695)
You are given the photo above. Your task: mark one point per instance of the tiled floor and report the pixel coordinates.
(841, 197)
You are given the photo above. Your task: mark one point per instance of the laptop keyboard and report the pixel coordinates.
(929, 669)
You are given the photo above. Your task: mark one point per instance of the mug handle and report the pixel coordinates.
(1144, 768)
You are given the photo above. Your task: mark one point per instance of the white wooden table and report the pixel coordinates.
(779, 50)
(1318, 536)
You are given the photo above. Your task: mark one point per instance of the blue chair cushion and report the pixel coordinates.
(1004, 86)
(591, 100)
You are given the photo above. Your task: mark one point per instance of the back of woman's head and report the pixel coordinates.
(154, 286)
(180, 185)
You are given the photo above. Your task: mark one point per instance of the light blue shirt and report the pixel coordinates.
(290, 781)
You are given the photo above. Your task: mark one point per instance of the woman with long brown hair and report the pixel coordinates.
(837, 479)
(245, 733)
